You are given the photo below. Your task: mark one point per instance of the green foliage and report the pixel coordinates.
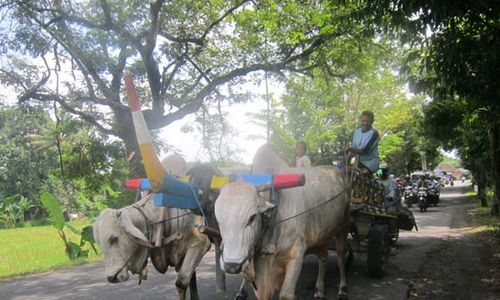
(22, 168)
(452, 161)
(13, 210)
(83, 170)
(73, 250)
(87, 236)
(54, 209)
(9, 212)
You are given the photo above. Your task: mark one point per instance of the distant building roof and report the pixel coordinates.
(451, 169)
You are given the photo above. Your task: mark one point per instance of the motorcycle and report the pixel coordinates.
(422, 199)
(433, 196)
(408, 195)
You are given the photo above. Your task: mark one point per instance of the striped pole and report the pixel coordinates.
(152, 165)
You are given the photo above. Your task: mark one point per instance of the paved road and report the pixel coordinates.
(88, 282)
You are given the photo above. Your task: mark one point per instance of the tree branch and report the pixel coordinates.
(201, 40)
(17, 79)
(88, 118)
(220, 19)
(212, 85)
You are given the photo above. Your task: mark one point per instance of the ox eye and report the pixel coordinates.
(251, 219)
(113, 240)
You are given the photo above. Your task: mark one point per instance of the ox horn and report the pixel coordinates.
(152, 165)
(132, 231)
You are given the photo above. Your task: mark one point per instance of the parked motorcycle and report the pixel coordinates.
(422, 199)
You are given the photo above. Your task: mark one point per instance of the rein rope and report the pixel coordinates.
(172, 218)
(309, 209)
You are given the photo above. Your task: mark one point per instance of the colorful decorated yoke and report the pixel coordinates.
(181, 193)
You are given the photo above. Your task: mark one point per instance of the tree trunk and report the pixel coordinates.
(495, 161)
(481, 186)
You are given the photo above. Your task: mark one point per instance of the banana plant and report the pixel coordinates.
(56, 217)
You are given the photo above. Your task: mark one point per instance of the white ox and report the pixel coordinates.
(125, 238)
(307, 219)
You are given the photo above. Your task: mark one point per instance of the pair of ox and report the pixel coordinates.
(305, 221)
(126, 235)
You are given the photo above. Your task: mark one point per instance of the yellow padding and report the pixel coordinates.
(218, 181)
(185, 178)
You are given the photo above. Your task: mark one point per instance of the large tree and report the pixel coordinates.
(181, 52)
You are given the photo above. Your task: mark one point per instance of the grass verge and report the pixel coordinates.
(36, 249)
(488, 235)
(482, 217)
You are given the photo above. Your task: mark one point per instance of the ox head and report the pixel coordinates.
(239, 210)
(120, 236)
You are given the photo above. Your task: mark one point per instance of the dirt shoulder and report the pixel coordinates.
(467, 263)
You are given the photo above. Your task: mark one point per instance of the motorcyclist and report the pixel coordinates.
(392, 198)
(407, 181)
(433, 183)
(422, 182)
(391, 191)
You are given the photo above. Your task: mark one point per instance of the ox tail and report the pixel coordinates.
(152, 165)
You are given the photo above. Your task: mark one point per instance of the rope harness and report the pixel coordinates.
(149, 233)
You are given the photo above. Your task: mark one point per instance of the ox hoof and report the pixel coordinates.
(343, 293)
(241, 295)
(319, 296)
(181, 284)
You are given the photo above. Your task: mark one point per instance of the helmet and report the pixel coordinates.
(383, 171)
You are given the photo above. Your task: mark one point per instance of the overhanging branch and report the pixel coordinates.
(88, 118)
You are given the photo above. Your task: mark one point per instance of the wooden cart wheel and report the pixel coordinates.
(378, 250)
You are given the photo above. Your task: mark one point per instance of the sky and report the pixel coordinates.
(190, 145)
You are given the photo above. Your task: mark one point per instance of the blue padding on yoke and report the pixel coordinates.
(146, 185)
(257, 179)
(176, 193)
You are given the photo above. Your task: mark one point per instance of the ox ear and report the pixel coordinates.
(132, 231)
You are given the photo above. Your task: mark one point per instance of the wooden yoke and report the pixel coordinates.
(154, 169)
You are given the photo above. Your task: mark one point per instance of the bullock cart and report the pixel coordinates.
(374, 227)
